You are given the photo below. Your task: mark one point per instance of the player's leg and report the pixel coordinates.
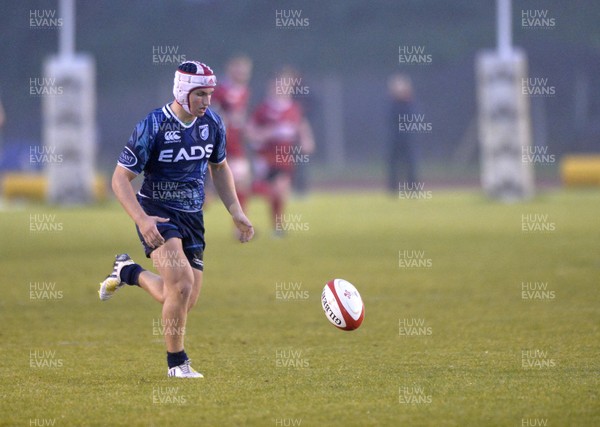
(147, 280)
(153, 284)
(177, 284)
(179, 288)
(281, 183)
(127, 272)
(411, 157)
(196, 288)
(260, 171)
(188, 255)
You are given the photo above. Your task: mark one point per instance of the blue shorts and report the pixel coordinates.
(187, 226)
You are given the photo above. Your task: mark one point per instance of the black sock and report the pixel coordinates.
(131, 273)
(176, 359)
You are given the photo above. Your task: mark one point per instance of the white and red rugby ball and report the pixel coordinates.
(342, 304)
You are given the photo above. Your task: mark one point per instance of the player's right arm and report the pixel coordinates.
(121, 185)
(257, 130)
(132, 161)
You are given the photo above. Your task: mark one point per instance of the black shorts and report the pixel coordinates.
(187, 226)
(274, 172)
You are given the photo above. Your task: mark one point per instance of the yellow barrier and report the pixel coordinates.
(580, 170)
(34, 186)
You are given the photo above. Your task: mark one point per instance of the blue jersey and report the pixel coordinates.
(174, 156)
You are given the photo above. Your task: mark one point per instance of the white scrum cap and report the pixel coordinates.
(191, 75)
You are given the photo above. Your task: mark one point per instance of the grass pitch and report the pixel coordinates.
(477, 314)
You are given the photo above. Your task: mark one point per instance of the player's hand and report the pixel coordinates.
(244, 226)
(150, 232)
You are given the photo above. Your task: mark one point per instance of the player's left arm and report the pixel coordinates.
(307, 139)
(223, 181)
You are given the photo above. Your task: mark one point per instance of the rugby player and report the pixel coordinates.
(282, 137)
(230, 100)
(174, 146)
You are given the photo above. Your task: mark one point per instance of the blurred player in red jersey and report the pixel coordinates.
(230, 100)
(282, 138)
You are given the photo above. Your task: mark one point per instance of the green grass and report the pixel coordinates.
(113, 370)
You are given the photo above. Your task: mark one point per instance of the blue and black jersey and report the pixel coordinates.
(174, 156)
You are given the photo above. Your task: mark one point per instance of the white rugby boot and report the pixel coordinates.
(113, 282)
(184, 371)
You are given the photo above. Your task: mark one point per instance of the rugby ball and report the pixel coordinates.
(342, 304)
